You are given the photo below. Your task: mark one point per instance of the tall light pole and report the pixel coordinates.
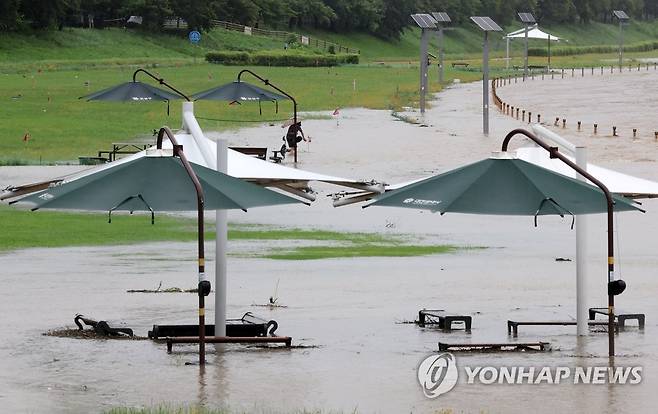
(427, 24)
(442, 19)
(623, 20)
(528, 20)
(486, 24)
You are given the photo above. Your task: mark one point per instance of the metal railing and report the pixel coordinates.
(179, 23)
(282, 35)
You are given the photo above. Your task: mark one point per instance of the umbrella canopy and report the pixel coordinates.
(156, 182)
(618, 183)
(131, 92)
(238, 91)
(534, 33)
(502, 186)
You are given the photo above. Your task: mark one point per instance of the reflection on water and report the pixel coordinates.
(365, 361)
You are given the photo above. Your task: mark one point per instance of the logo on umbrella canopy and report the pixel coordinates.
(420, 202)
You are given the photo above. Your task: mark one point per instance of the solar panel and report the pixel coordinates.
(527, 18)
(620, 14)
(486, 24)
(424, 21)
(441, 17)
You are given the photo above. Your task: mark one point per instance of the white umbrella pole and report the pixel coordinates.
(220, 251)
(582, 312)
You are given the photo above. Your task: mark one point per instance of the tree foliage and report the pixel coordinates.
(384, 18)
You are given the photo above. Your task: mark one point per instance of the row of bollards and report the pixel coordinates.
(507, 80)
(508, 109)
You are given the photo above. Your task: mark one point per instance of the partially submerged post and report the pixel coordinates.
(427, 24)
(442, 19)
(615, 286)
(623, 20)
(486, 24)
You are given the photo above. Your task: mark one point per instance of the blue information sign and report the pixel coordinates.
(194, 36)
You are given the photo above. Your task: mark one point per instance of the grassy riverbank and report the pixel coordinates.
(24, 229)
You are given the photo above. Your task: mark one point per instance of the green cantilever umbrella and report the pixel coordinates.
(503, 185)
(155, 182)
(160, 180)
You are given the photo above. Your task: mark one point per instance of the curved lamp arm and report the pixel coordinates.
(554, 153)
(268, 83)
(161, 81)
(204, 285)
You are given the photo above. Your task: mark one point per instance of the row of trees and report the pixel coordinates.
(386, 18)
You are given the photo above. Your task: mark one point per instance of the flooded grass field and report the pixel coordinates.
(350, 309)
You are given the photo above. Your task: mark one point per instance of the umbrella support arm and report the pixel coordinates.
(204, 285)
(268, 83)
(161, 81)
(294, 102)
(554, 153)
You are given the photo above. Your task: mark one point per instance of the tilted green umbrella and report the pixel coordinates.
(161, 180)
(156, 182)
(134, 91)
(502, 186)
(506, 186)
(238, 91)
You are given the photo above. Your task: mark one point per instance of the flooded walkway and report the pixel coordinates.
(365, 362)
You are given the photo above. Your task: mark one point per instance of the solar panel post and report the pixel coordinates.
(485, 85)
(623, 19)
(621, 43)
(441, 18)
(424, 44)
(525, 56)
(441, 70)
(528, 20)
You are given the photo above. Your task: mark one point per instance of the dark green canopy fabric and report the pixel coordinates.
(502, 186)
(132, 92)
(160, 183)
(238, 91)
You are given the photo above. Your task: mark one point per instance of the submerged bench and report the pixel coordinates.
(513, 326)
(445, 321)
(620, 318)
(507, 346)
(229, 340)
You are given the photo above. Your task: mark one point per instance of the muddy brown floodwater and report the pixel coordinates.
(365, 362)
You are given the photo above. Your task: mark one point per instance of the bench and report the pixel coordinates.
(460, 64)
(495, 347)
(249, 325)
(445, 321)
(620, 318)
(258, 152)
(513, 326)
(281, 154)
(286, 340)
(124, 148)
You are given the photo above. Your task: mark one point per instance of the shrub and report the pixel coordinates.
(228, 58)
(280, 58)
(582, 50)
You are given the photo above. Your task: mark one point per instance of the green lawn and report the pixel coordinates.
(25, 229)
(63, 127)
